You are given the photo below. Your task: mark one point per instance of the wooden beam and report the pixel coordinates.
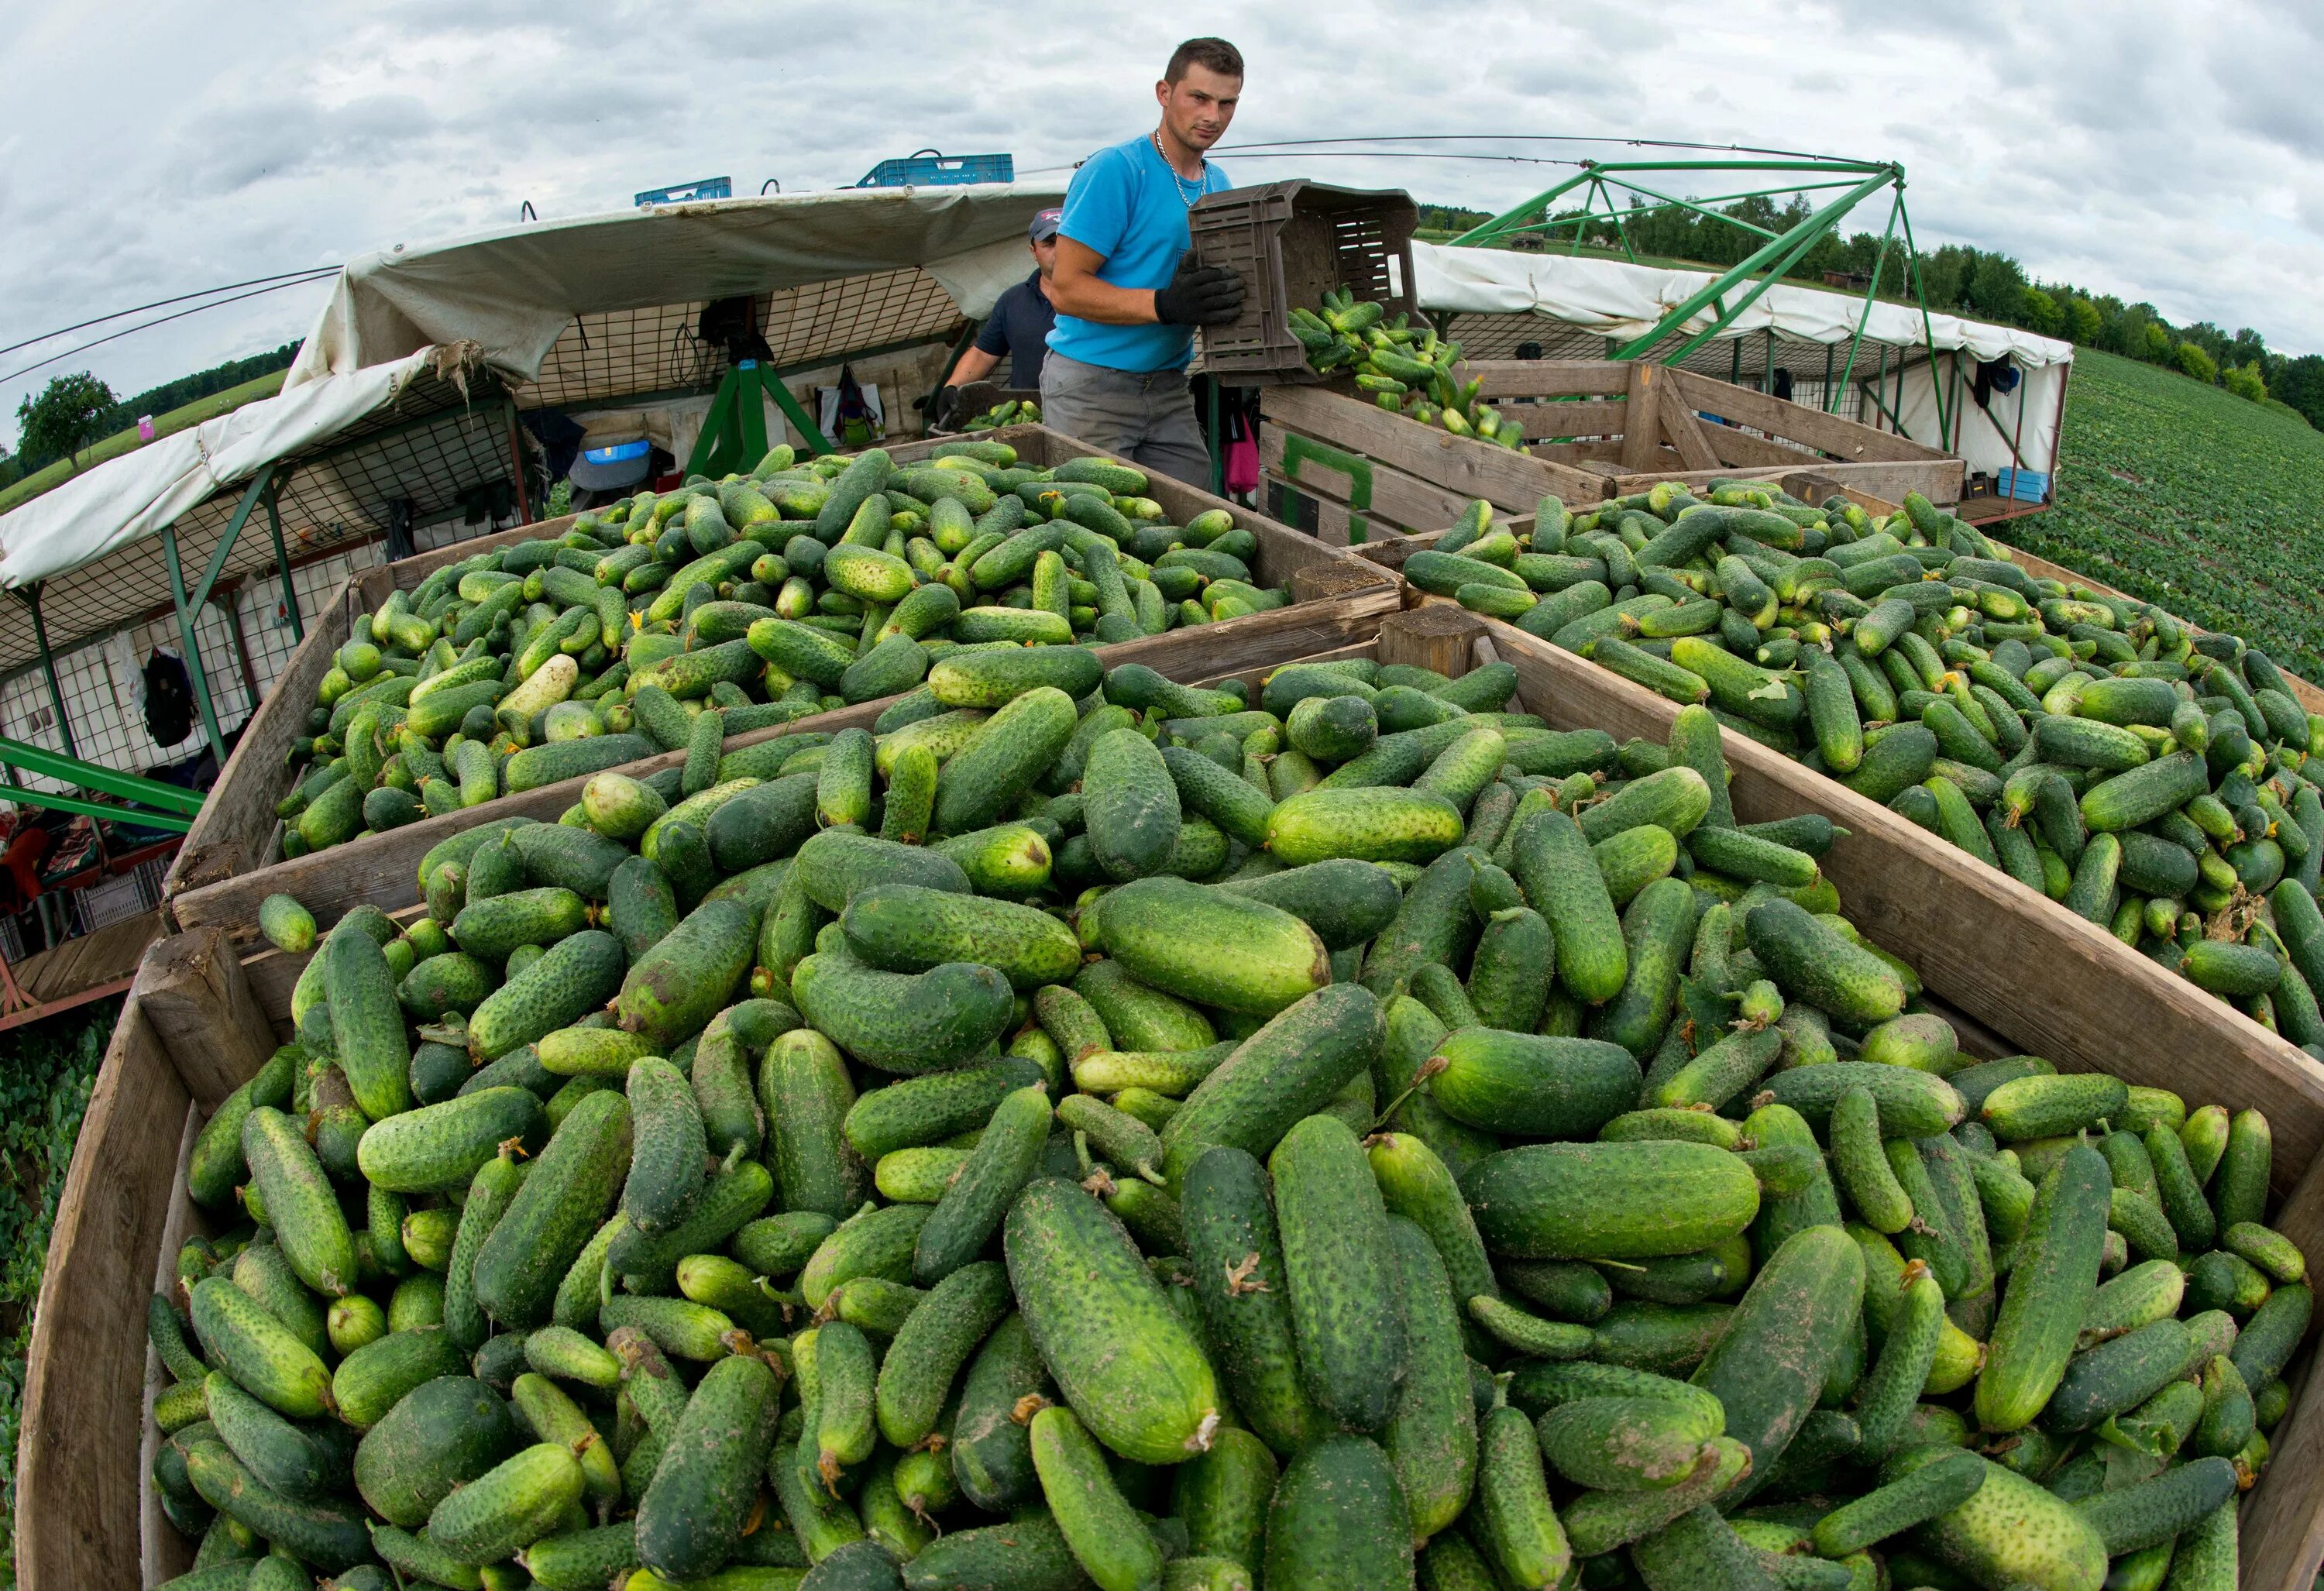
(1509, 480)
(1643, 433)
(1683, 431)
(1843, 439)
(1437, 637)
(192, 990)
(1402, 500)
(1585, 417)
(1545, 377)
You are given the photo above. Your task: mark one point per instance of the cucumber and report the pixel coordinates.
(1210, 947)
(903, 928)
(1551, 861)
(1769, 1367)
(1337, 1520)
(215, 1165)
(509, 1507)
(929, 1349)
(2048, 1291)
(973, 1206)
(903, 1022)
(1340, 1271)
(1620, 1200)
(367, 1023)
(2008, 1531)
(439, 1436)
(1107, 1537)
(1122, 1355)
(1288, 1069)
(690, 975)
(695, 1513)
(440, 1148)
(555, 1212)
(992, 1453)
(1237, 1259)
(579, 974)
(264, 1358)
(1130, 805)
(330, 1536)
(1376, 824)
(1809, 962)
(1531, 1086)
(1002, 758)
(300, 1203)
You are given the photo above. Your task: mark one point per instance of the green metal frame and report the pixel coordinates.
(105, 781)
(1854, 180)
(734, 432)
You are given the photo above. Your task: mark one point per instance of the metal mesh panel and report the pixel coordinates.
(627, 353)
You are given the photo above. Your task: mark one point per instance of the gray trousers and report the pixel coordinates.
(1147, 418)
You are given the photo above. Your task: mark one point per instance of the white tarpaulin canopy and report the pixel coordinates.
(1598, 300)
(562, 312)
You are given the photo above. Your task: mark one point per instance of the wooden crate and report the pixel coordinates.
(2011, 973)
(1625, 425)
(225, 872)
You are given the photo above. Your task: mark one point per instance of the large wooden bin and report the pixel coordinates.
(1596, 427)
(2012, 974)
(232, 859)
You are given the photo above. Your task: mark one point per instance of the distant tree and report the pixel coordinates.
(2041, 313)
(2301, 385)
(2155, 345)
(2082, 321)
(2193, 361)
(2246, 347)
(66, 418)
(2245, 381)
(1997, 289)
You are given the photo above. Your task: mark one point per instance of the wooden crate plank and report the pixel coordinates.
(1545, 377)
(77, 1479)
(1508, 479)
(1939, 481)
(2025, 966)
(1399, 498)
(1845, 440)
(1684, 431)
(1589, 417)
(1642, 437)
(164, 1551)
(1737, 447)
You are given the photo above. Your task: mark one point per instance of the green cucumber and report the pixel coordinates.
(1338, 1519)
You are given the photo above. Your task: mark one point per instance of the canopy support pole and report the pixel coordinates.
(1928, 333)
(32, 597)
(1871, 291)
(283, 561)
(193, 646)
(516, 465)
(143, 819)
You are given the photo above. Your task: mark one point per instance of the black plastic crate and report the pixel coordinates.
(1291, 242)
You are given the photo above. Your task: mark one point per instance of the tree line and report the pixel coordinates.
(1986, 284)
(75, 410)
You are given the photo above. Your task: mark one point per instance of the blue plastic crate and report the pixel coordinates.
(927, 169)
(709, 187)
(2024, 485)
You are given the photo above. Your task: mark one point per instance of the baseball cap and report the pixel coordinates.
(1045, 225)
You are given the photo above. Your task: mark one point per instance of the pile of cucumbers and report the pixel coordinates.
(1105, 1131)
(1406, 369)
(666, 621)
(2153, 778)
(1013, 411)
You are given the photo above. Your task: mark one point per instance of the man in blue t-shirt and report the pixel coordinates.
(1127, 290)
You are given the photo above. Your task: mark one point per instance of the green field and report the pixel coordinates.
(121, 442)
(2187, 496)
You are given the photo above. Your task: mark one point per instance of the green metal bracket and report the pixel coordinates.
(282, 559)
(141, 816)
(734, 432)
(105, 781)
(30, 597)
(1299, 450)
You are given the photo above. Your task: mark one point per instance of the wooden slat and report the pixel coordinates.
(2022, 965)
(1737, 447)
(1590, 417)
(1844, 439)
(1939, 481)
(1642, 437)
(2281, 1523)
(1508, 479)
(232, 831)
(1545, 377)
(1683, 431)
(77, 1480)
(164, 1551)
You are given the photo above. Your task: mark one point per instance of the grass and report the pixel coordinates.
(178, 419)
(2187, 496)
(47, 1070)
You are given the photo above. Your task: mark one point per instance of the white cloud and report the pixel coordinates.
(2172, 153)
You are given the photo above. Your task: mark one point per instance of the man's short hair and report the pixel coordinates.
(1214, 54)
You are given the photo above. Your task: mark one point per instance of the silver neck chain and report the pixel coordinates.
(1176, 180)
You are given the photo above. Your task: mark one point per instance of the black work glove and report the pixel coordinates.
(947, 414)
(1199, 295)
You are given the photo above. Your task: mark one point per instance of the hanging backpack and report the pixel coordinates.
(857, 425)
(169, 700)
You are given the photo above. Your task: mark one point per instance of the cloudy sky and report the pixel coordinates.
(2169, 152)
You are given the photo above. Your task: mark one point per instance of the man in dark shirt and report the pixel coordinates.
(1018, 327)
